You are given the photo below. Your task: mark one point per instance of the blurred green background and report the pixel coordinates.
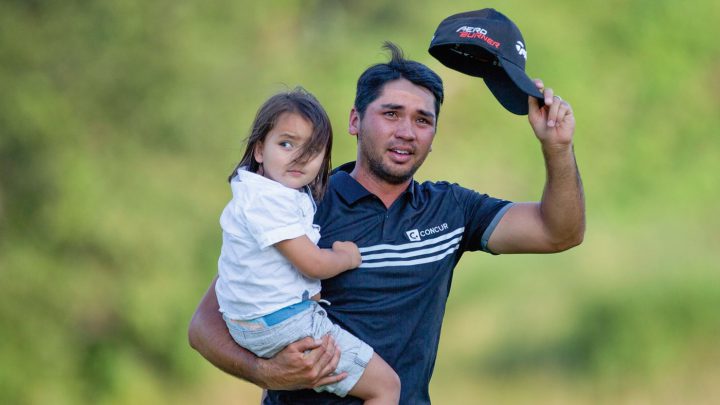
(120, 120)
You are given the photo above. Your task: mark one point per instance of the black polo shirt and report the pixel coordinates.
(395, 301)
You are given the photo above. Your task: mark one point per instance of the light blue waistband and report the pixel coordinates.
(282, 314)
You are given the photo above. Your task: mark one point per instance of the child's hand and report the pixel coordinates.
(350, 250)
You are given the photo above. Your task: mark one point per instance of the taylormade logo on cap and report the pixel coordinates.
(521, 49)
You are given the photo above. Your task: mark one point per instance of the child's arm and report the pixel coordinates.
(320, 263)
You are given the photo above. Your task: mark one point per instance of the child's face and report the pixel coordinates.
(281, 146)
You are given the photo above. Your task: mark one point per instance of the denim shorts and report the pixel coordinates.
(266, 340)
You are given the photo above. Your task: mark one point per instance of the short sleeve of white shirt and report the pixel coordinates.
(270, 212)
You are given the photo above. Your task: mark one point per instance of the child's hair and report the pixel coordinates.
(298, 101)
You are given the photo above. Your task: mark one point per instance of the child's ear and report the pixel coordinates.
(258, 152)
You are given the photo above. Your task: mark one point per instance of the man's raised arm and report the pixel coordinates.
(290, 369)
(557, 222)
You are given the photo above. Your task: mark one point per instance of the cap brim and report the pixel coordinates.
(469, 59)
(511, 87)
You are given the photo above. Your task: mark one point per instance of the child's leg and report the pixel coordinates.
(379, 384)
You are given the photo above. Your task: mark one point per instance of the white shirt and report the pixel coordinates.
(254, 279)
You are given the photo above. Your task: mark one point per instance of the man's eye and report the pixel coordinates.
(391, 114)
(424, 121)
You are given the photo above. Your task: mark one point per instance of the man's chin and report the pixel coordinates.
(396, 180)
(393, 176)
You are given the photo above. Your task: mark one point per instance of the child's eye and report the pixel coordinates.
(286, 144)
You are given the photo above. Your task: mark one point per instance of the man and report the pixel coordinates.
(410, 235)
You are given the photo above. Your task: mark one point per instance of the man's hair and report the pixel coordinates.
(372, 80)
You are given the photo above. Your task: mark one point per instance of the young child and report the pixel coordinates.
(270, 266)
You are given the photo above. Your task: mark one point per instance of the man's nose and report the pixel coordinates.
(405, 130)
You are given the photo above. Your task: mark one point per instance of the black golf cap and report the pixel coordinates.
(485, 43)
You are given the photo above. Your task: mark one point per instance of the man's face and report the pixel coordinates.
(396, 131)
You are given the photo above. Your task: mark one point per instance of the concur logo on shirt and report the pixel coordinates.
(415, 235)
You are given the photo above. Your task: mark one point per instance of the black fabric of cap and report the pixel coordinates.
(485, 43)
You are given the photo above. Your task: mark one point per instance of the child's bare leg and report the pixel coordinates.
(379, 384)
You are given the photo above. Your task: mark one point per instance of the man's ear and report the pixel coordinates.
(354, 125)
(258, 152)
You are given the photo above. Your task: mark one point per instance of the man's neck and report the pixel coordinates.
(386, 192)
